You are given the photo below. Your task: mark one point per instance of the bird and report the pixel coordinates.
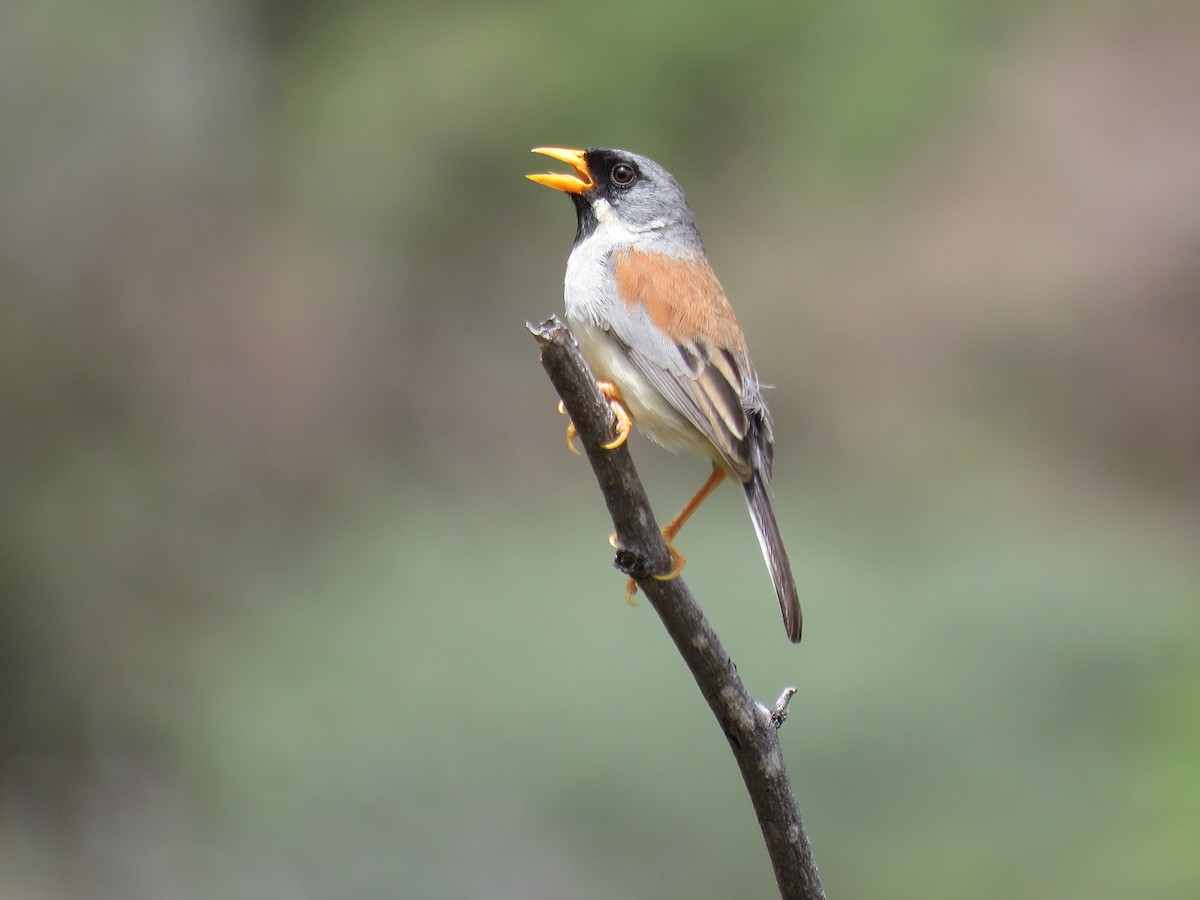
(657, 329)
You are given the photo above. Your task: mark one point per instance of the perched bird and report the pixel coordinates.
(657, 329)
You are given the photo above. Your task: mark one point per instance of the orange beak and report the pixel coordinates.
(578, 183)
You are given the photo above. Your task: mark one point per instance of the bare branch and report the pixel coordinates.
(750, 727)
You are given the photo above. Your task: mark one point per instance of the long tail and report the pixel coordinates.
(767, 530)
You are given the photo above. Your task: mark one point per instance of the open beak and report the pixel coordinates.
(578, 183)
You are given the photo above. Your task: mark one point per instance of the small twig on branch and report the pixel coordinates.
(750, 728)
(779, 711)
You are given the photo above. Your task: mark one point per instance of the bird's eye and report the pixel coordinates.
(623, 174)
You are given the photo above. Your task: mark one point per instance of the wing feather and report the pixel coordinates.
(694, 354)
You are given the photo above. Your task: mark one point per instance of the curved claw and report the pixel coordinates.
(678, 561)
(624, 425)
(616, 402)
(631, 588)
(571, 432)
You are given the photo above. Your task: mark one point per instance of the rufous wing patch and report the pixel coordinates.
(683, 297)
(687, 304)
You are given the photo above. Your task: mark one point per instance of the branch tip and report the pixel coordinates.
(780, 710)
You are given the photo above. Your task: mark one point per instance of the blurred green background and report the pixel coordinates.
(302, 596)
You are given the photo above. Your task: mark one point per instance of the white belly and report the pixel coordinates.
(650, 410)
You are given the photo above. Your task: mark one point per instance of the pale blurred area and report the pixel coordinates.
(301, 595)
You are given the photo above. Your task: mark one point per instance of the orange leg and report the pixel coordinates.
(672, 530)
(616, 402)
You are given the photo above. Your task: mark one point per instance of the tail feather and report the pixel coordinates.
(767, 530)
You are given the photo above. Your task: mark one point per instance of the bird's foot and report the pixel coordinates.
(617, 404)
(678, 561)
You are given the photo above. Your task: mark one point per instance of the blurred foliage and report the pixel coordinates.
(301, 596)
